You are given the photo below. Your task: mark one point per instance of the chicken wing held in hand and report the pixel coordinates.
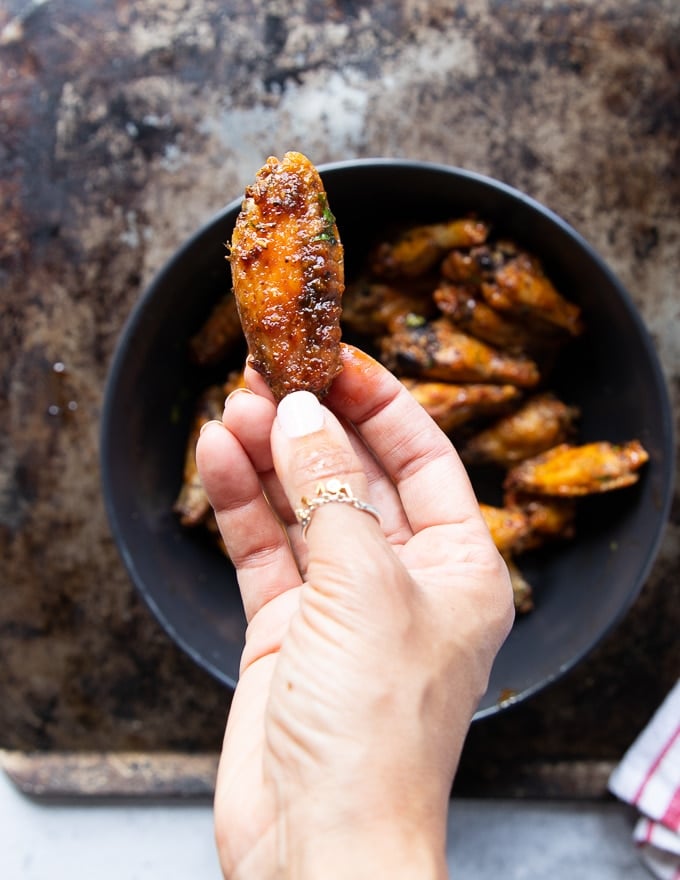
(287, 270)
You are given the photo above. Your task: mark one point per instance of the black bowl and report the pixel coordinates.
(582, 588)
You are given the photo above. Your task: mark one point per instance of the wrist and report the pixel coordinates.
(364, 847)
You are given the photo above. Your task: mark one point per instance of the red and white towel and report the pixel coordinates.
(648, 777)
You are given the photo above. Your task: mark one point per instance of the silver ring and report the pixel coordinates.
(332, 491)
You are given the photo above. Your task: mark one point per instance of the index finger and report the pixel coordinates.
(420, 459)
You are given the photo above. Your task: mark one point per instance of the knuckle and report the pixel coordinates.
(321, 461)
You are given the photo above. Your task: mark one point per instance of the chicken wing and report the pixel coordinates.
(520, 288)
(477, 264)
(510, 527)
(513, 282)
(454, 405)
(579, 470)
(550, 518)
(517, 528)
(540, 424)
(421, 247)
(288, 275)
(463, 304)
(437, 350)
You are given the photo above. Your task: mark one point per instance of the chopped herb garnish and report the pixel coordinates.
(328, 233)
(413, 320)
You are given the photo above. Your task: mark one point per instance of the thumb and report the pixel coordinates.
(325, 482)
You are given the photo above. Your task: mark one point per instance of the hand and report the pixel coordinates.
(368, 646)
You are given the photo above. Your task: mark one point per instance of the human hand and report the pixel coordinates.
(368, 646)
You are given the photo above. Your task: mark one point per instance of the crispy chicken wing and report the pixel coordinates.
(541, 423)
(513, 282)
(477, 264)
(579, 470)
(474, 316)
(421, 247)
(550, 518)
(521, 288)
(464, 305)
(437, 350)
(527, 522)
(524, 524)
(287, 269)
(510, 530)
(454, 405)
(510, 527)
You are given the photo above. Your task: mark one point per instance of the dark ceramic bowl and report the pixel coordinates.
(582, 588)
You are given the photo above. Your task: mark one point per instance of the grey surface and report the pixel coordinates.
(516, 840)
(531, 840)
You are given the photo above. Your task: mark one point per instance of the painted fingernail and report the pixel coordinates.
(299, 414)
(209, 423)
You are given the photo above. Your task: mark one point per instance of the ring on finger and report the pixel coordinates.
(333, 491)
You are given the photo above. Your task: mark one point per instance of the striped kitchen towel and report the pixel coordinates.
(648, 777)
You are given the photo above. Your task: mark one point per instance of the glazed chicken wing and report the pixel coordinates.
(550, 518)
(520, 288)
(527, 522)
(477, 264)
(421, 247)
(464, 305)
(287, 270)
(454, 405)
(437, 350)
(579, 470)
(540, 424)
(510, 527)
(459, 303)
(513, 282)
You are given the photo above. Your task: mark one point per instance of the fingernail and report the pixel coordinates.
(299, 414)
(208, 423)
(236, 391)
